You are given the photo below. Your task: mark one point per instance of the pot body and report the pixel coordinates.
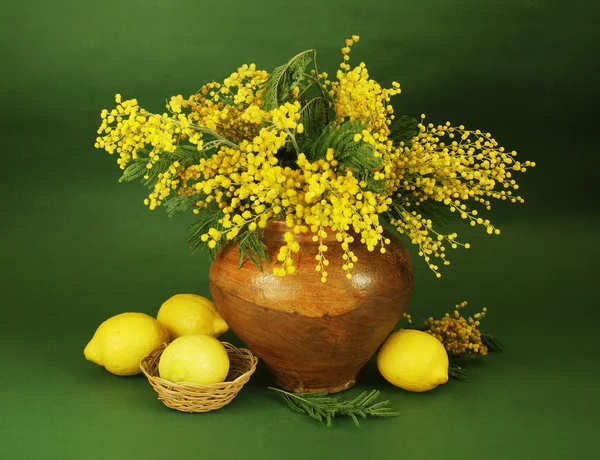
(313, 336)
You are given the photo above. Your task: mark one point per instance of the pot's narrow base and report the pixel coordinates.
(302, 389)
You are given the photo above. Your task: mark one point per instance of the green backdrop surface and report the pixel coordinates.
(77, 247)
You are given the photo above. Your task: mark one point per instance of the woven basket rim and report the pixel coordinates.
(244, 352)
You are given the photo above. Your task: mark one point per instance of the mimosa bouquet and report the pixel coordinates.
(324, 154)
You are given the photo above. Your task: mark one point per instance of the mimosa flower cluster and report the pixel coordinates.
(322, 155)
(458, 334)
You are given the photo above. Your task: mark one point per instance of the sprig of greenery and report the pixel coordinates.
(324, 408)
(340, 137)
(134, 170)
(208, 218)
(313, 118)
(252, 247)
(181, 203)
(457, 372)
(491, 342)
(403, 130)
(350, 154)
(250, 243)
(137, 167)
(278, 87)
(455, 368)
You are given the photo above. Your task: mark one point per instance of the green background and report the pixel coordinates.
(77, 247)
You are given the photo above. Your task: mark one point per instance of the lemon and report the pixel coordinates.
(413, 360)
(195, 358)
(121, 342)
(186, 314)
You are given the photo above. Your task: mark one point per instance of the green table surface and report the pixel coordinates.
(76, 247)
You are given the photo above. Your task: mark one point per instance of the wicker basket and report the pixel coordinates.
(192, 397)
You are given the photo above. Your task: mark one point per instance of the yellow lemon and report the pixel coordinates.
(186, 314)
(194, 358)
(413, 360)
(121, 342)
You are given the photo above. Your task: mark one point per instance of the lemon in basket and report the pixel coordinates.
(413, 360)
(194, 358)
(186, 314)
(121, 342)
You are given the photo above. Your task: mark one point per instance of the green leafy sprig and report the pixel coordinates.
(356, 156)
(403, 130)
(491, 342)
(457, 372)
(138, 169)
(455, 368)
(207, 219)
(278, 87)
(313, 116)
(252, 247)
(324, 408)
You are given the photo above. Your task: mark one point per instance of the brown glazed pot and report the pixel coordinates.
(313, 336)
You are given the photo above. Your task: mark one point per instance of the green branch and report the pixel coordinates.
(324, 408)
(283, 79)
(318, 81)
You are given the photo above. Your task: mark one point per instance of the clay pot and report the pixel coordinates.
(313, 336)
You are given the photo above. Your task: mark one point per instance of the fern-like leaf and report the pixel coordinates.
(134, 170)
(313, 119)
(491, 342)
(137, 167)
(404, 129)
(251, 246)
(208, 218)
(279, 85)
(377, 186)
(457, 372)
(355, 155)
(324, 408)
(181, 203)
